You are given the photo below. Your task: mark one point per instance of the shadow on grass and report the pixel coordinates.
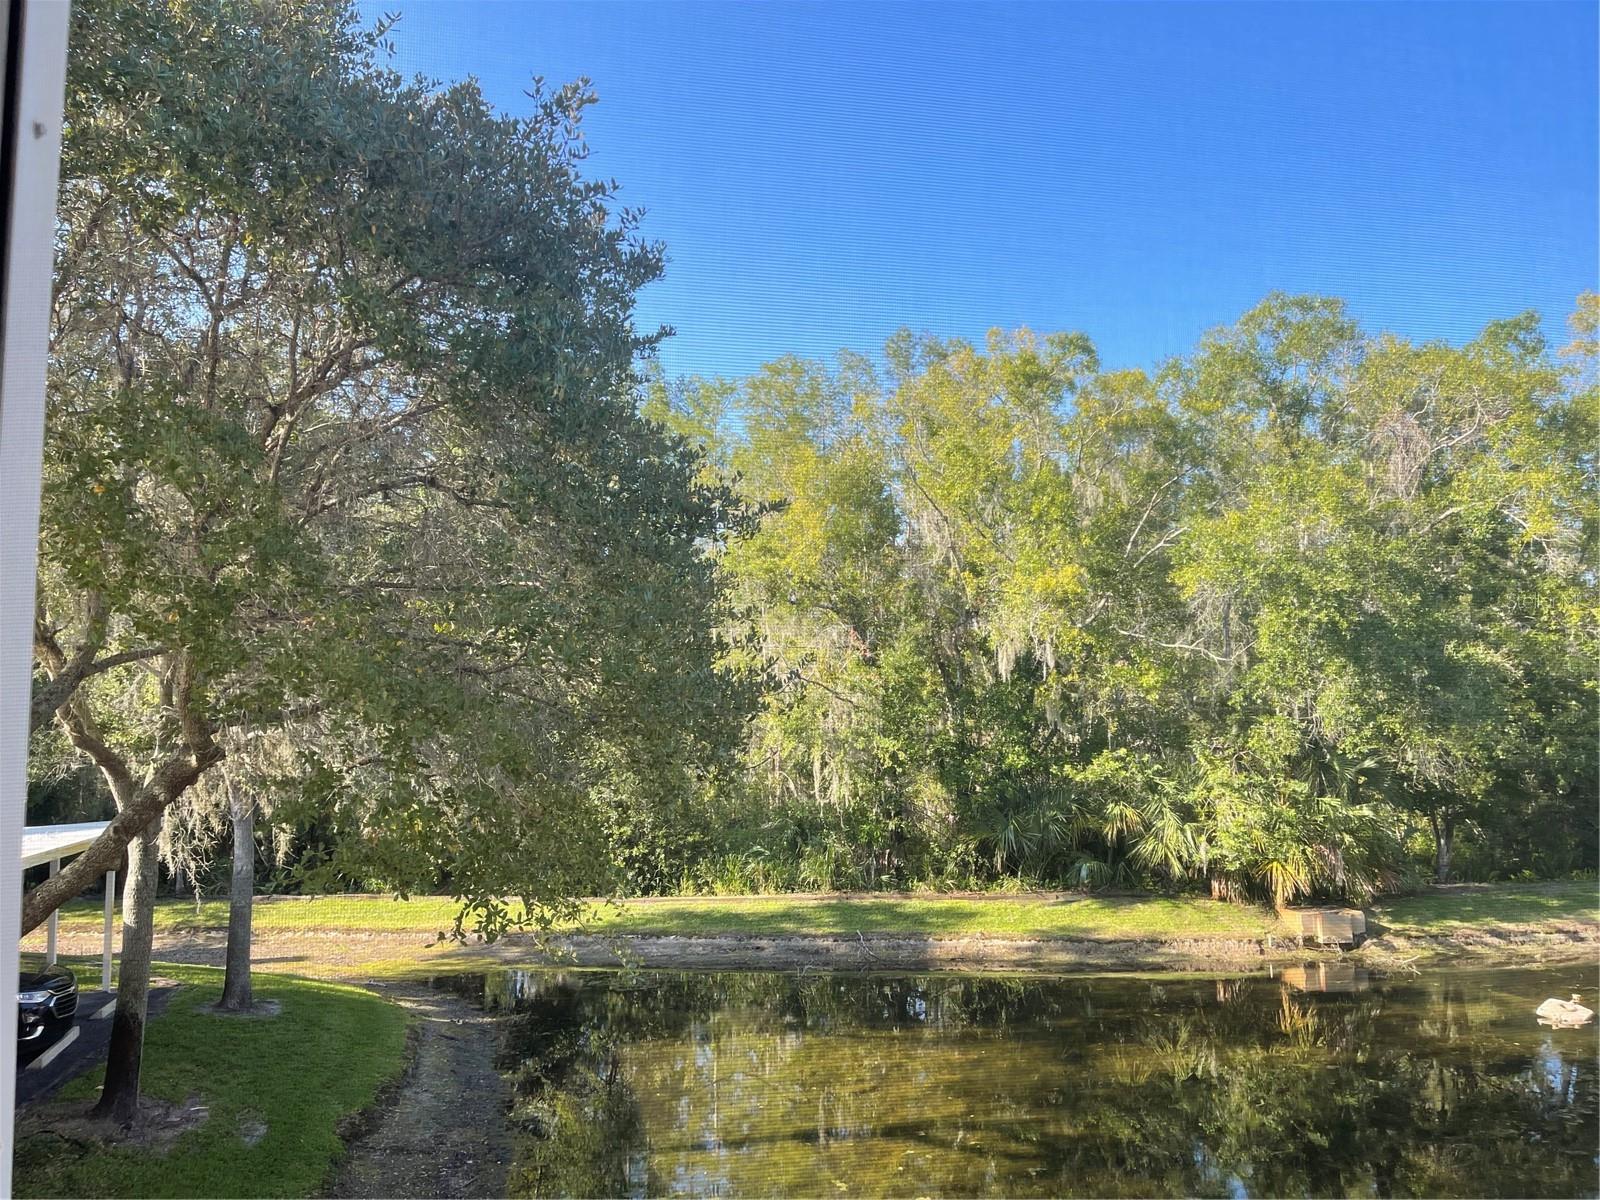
(1485, 905)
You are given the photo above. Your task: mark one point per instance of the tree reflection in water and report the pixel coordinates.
(808, 1085)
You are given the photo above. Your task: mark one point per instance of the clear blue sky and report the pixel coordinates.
(822, 174)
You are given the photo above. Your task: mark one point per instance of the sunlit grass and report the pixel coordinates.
(1021, 916)
(1106, 918)
(1093, 917)
(324, 1056)
(1462, 909)
(375, 914)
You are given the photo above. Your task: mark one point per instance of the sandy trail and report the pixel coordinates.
(440, 1130)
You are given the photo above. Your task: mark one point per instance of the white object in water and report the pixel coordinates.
(1563, 1013)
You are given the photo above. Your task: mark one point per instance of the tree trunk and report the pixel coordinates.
(1444, 836)
(236, 995)
(119, 1099)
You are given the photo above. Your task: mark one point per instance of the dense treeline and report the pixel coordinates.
(1306, 612)
(1301, 613)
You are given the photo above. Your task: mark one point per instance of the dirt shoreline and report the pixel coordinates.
(440, 1128)
(883, 951)
(879, 952)
(347, 954)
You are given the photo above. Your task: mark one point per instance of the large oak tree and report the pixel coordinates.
(343, 440)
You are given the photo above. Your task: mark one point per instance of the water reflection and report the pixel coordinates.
(1312, 1083)
(1327, 977)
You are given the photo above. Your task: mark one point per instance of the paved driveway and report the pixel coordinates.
(81, 1048)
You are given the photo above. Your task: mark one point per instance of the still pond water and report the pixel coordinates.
(1319, 1081)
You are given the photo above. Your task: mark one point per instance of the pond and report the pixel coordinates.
(1312, 1081)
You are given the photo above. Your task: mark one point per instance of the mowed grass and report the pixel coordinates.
(1104, 918)
(932, 915)
(323, 1057)
(1481, 908)
(368, 913)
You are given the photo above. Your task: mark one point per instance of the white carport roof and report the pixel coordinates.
(50, 844)
(41, 843)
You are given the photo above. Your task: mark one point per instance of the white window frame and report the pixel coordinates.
(34, 37)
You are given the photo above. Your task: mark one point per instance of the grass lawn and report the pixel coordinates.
(375, 914)
(1464, 908)
(1439, 912)
(1002, 915)
(1072, 916)
(324, 1056)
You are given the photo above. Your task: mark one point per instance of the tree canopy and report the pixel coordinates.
(1272, 618)
(343, 445)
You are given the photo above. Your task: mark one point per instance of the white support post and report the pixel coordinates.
(54, 924)
(34, 35)
(105, 944)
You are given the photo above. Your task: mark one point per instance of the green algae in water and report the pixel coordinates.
(1310, 1083)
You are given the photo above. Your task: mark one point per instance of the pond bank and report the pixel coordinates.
(881, 952)
(887, 952)
(439, 1129)
(369, 938)
(1502, 947)
(374, 957)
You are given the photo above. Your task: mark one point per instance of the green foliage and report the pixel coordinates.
(1252, 622)
(344, 448)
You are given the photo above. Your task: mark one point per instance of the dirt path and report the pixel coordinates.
(888, 952)
(441, 1131)
(366, 957)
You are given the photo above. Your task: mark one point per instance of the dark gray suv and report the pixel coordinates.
(47, 1000)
